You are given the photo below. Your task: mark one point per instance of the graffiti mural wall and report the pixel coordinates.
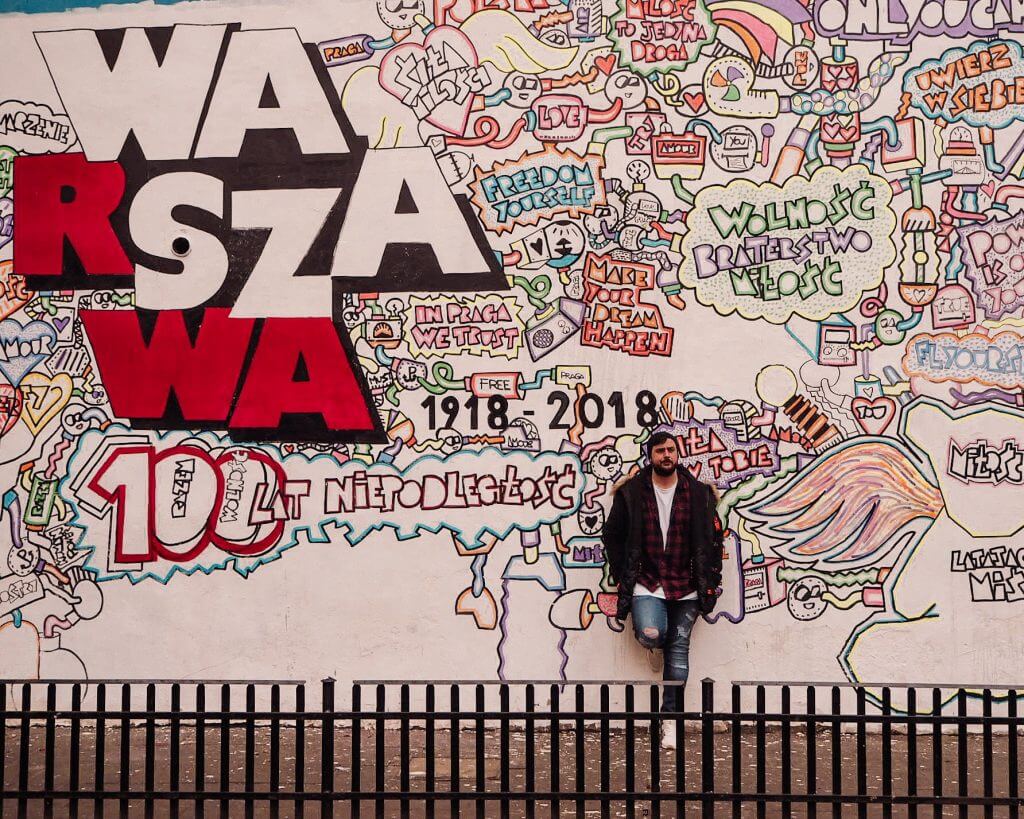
(327, 328)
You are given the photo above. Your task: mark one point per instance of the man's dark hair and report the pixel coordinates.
(659, 438)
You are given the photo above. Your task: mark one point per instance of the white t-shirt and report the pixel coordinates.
(664, 497)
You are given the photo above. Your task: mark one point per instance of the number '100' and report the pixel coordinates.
(171, 505)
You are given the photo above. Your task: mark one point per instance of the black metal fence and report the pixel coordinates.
(540, 748)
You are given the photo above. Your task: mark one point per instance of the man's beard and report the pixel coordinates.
(664, 471)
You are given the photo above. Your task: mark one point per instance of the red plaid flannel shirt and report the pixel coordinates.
(666, 566)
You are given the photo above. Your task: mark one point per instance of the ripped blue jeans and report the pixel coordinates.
(667, 624)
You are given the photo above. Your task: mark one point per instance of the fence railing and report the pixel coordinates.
(538, 748)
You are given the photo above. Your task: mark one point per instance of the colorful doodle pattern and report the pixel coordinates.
(304, 292)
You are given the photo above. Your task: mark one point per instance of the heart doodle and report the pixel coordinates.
(695, 99)
(13, 295)
(606, 64)
(591, 522)
(43, 398)
(438, 80)
(873, 415)
(10, 407)
(22, 347)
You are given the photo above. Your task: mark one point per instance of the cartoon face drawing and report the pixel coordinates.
(399, 15)
(23, 559)
(626, 86)
(606, 464)
(524, 89)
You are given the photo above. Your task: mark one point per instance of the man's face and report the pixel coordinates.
(664, 457)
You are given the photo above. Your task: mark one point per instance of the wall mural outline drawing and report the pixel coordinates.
(288, 295)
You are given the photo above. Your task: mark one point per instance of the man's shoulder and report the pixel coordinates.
(702, 486)
(627, 482)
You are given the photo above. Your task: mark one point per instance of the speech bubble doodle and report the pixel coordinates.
(904, 22)
(993, 260)
(33, 128)
(982, 85)
(451, 325)
(264, 500)
(982, 508)
(652, 36)
(995, 361)
(617, 317)
(716, 454)
(810, 248)
(540, 185)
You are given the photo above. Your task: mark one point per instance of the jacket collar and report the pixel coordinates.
(646, 475)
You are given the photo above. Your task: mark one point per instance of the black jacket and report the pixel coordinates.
(622, 539)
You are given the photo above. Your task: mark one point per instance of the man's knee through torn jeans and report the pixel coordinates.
(667, 624)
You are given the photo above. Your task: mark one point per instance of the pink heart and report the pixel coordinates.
(873, 415)
(989, 189)
(438, 79)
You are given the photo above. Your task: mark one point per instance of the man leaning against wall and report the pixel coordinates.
(663, 541)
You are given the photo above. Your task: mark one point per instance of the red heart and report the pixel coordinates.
(873, 415)
(695, 100)
(606, 64)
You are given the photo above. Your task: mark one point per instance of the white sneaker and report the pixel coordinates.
(668, 736)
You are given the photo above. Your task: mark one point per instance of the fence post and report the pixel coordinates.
(707, 749)
(403, 747)
(1013, 725)
(357, 748)
(225, 751)
(3, 740)
(250, 751)
(300, 749)
(26, 726)
(125, 738)
(49, 754)
(327, 749)
(149, 758)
